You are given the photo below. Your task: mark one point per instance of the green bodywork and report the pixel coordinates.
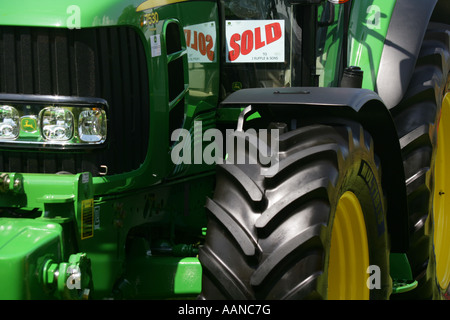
(56, 222)
(369, 23)
(150, 195)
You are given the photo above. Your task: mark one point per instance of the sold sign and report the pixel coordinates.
(255, 41)
(200, 42)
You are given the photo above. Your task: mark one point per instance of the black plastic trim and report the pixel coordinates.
(402, 46)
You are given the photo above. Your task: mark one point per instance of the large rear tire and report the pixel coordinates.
(421, 119)
(310, 230)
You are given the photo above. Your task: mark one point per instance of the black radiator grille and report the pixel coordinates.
(106, 63)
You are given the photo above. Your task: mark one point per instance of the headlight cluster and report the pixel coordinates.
(37, 123)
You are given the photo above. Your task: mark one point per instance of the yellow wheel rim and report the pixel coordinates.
(441, 205)
(349, 252)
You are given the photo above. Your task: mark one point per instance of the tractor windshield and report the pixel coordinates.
(263, 44)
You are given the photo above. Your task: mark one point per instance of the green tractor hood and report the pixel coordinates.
(66, 14)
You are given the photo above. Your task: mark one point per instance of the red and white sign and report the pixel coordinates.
(256, 41)
(201, 42)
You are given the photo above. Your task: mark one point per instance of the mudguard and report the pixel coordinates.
(362, 105)
(401, 48)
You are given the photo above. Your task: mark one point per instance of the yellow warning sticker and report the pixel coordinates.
(87, 219)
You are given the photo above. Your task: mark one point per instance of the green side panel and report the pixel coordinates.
(369, 23)
(162, 277)
(25, 245)
(166, 211)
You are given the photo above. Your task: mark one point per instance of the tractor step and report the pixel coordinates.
(401, 274)
(400, 286)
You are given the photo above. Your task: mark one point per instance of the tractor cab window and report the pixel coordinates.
(263, 44)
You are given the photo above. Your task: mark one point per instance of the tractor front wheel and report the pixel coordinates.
(313, 228)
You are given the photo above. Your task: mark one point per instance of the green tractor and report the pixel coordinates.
(224, 149)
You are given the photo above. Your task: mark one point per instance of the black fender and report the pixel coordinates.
(404, 38)
(332, 104)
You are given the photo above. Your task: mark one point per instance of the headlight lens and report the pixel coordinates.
(9, 123)
(57, 124)
(92, 125)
